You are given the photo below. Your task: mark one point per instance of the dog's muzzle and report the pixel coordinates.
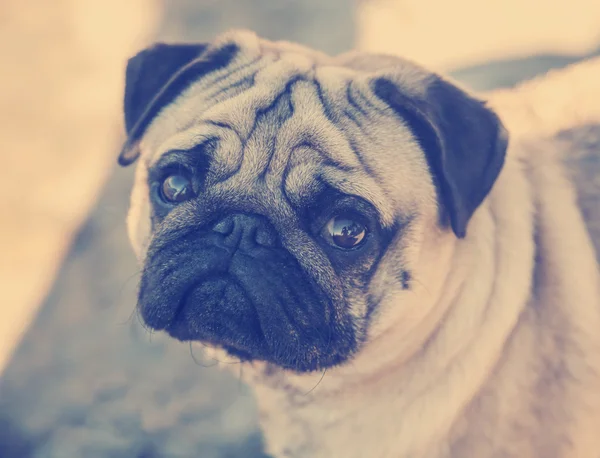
(233, 284)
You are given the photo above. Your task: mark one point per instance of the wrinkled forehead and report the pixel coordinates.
(286, 119)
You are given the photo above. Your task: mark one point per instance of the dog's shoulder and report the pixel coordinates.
(580, 149)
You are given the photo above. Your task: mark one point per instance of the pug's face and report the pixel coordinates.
(282, 196)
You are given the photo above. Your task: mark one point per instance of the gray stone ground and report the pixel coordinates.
(88, 380)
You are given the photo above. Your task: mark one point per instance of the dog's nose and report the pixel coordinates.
(248, 230)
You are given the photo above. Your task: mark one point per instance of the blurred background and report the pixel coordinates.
(79, 376)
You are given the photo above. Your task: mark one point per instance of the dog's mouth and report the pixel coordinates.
(235, 286)
(218, 311)
(221, 312)
(254, 309)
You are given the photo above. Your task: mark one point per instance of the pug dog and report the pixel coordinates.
(397, 278)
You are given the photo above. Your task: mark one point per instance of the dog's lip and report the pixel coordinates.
(178, 325)
(255, 333)
(241, 354)
(186, 295)
(181, 304)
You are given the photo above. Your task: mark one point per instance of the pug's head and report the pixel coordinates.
(282, 195)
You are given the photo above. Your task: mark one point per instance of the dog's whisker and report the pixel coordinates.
(416, 280)
(318, 383)
(133, 313)
(136, 313)
(130, 319)
(239, 361)
(196, 360)
(241, 379)
(126, 281)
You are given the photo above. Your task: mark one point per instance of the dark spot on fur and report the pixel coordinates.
(405, 278)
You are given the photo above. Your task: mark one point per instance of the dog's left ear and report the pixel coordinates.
(464, 141)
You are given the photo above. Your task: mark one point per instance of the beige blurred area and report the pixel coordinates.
(445, 35)
(60, 114)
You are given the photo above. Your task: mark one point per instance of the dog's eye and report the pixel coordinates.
(176, 189)
(345, 232)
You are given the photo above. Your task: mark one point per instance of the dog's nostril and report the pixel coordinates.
(225, 226)
(247, 229)
(265, 238)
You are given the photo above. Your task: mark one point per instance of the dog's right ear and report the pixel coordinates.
(148, 72)
(155, 76)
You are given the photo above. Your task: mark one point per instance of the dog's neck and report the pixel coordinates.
(412, 395)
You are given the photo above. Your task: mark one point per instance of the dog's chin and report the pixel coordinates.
(316, 361)
(220, 312)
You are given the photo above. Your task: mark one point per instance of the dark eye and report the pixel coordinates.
(176, 189)
(345, 232)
